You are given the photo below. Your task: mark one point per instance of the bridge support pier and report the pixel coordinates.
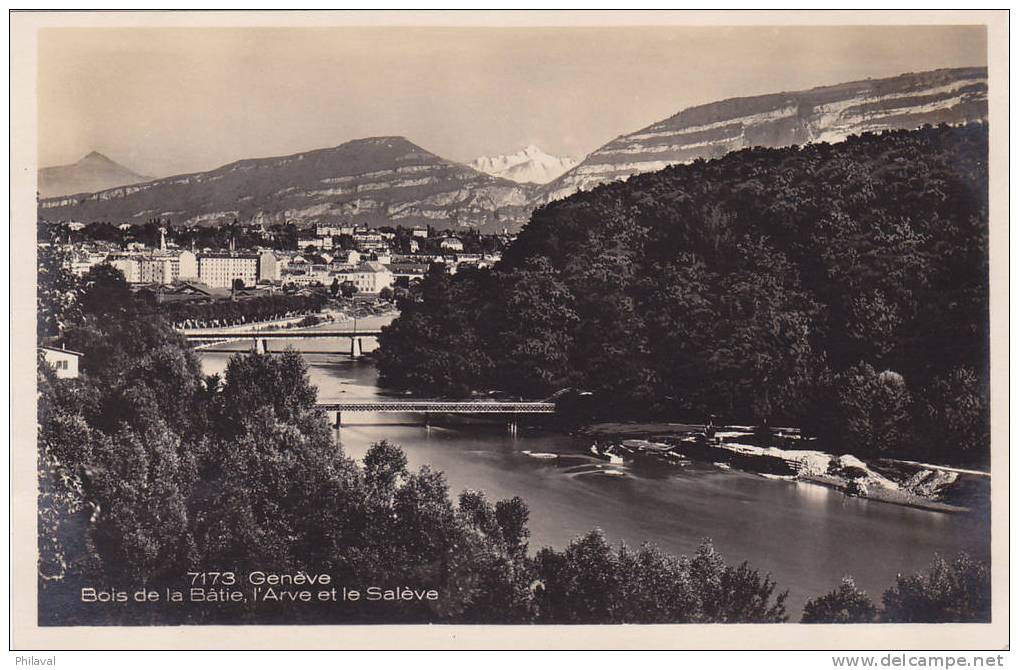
(338, 421)
(337, 433)
(265, 346)
(512, 426)
(355, 347)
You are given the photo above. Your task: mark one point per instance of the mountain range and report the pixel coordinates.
(391, 181)
(530, 165)
(378, 181)
(94, 172)
(823, 114)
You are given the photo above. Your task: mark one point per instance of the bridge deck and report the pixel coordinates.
(276, 334)
(442, 406)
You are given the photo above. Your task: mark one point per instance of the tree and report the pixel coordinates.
(254, 384)
(139, 485)
(865, 412)
(348, 289)
(63, 513)
(512, 516)
(103, 291)
(846, 604)
(588, 582)
(950, 591)
(386, 294)
(271, 496)
(535, 324)
(56, 295)
(954, 413)
(656, 587)
(764, 354)
(436, 346)
(730, 594)
(164, 384)
(580, 584)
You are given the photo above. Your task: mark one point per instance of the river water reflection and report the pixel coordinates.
(806, 536)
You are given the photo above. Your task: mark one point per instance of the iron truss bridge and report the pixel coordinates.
(442, 406)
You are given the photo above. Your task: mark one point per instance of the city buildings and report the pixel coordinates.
(369, 240)
(377, 261)
(81, 261)
(408, 271)
(368, 277)
(129, 266)
(315, 242)
(333, 231)
(223, 269)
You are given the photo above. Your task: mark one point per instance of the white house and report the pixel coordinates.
(128, 265)
(347, 257)
(370, 277)
(64, 361)
(315, 242)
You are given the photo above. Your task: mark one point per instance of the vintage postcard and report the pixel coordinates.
(523, 325)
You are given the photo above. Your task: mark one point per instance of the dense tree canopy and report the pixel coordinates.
(950, 591)
(246, 310)
(841, 287)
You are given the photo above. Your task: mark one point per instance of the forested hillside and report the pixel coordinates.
(840, 287)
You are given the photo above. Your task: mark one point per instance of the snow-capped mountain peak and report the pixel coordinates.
(530, 164)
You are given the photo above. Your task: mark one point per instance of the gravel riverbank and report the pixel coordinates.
(785, 454)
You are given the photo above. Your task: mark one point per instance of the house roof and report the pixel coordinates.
(408, 267)
(63, 351)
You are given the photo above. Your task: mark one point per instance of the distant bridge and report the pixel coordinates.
(428, 407)
(260, 338)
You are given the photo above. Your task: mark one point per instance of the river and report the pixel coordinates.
(805, 535)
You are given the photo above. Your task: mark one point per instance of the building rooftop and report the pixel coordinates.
(223, 254)
(408, 267)
(62, 351)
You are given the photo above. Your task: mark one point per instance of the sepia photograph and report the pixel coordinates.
(513, 319)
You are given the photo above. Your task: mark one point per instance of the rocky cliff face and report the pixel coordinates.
(825, 114)
(94, 172)
(380, 180)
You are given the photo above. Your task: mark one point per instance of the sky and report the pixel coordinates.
(174, 100)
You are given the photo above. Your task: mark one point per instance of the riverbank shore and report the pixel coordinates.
(906, 483)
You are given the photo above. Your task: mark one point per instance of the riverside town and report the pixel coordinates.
(642, 350)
